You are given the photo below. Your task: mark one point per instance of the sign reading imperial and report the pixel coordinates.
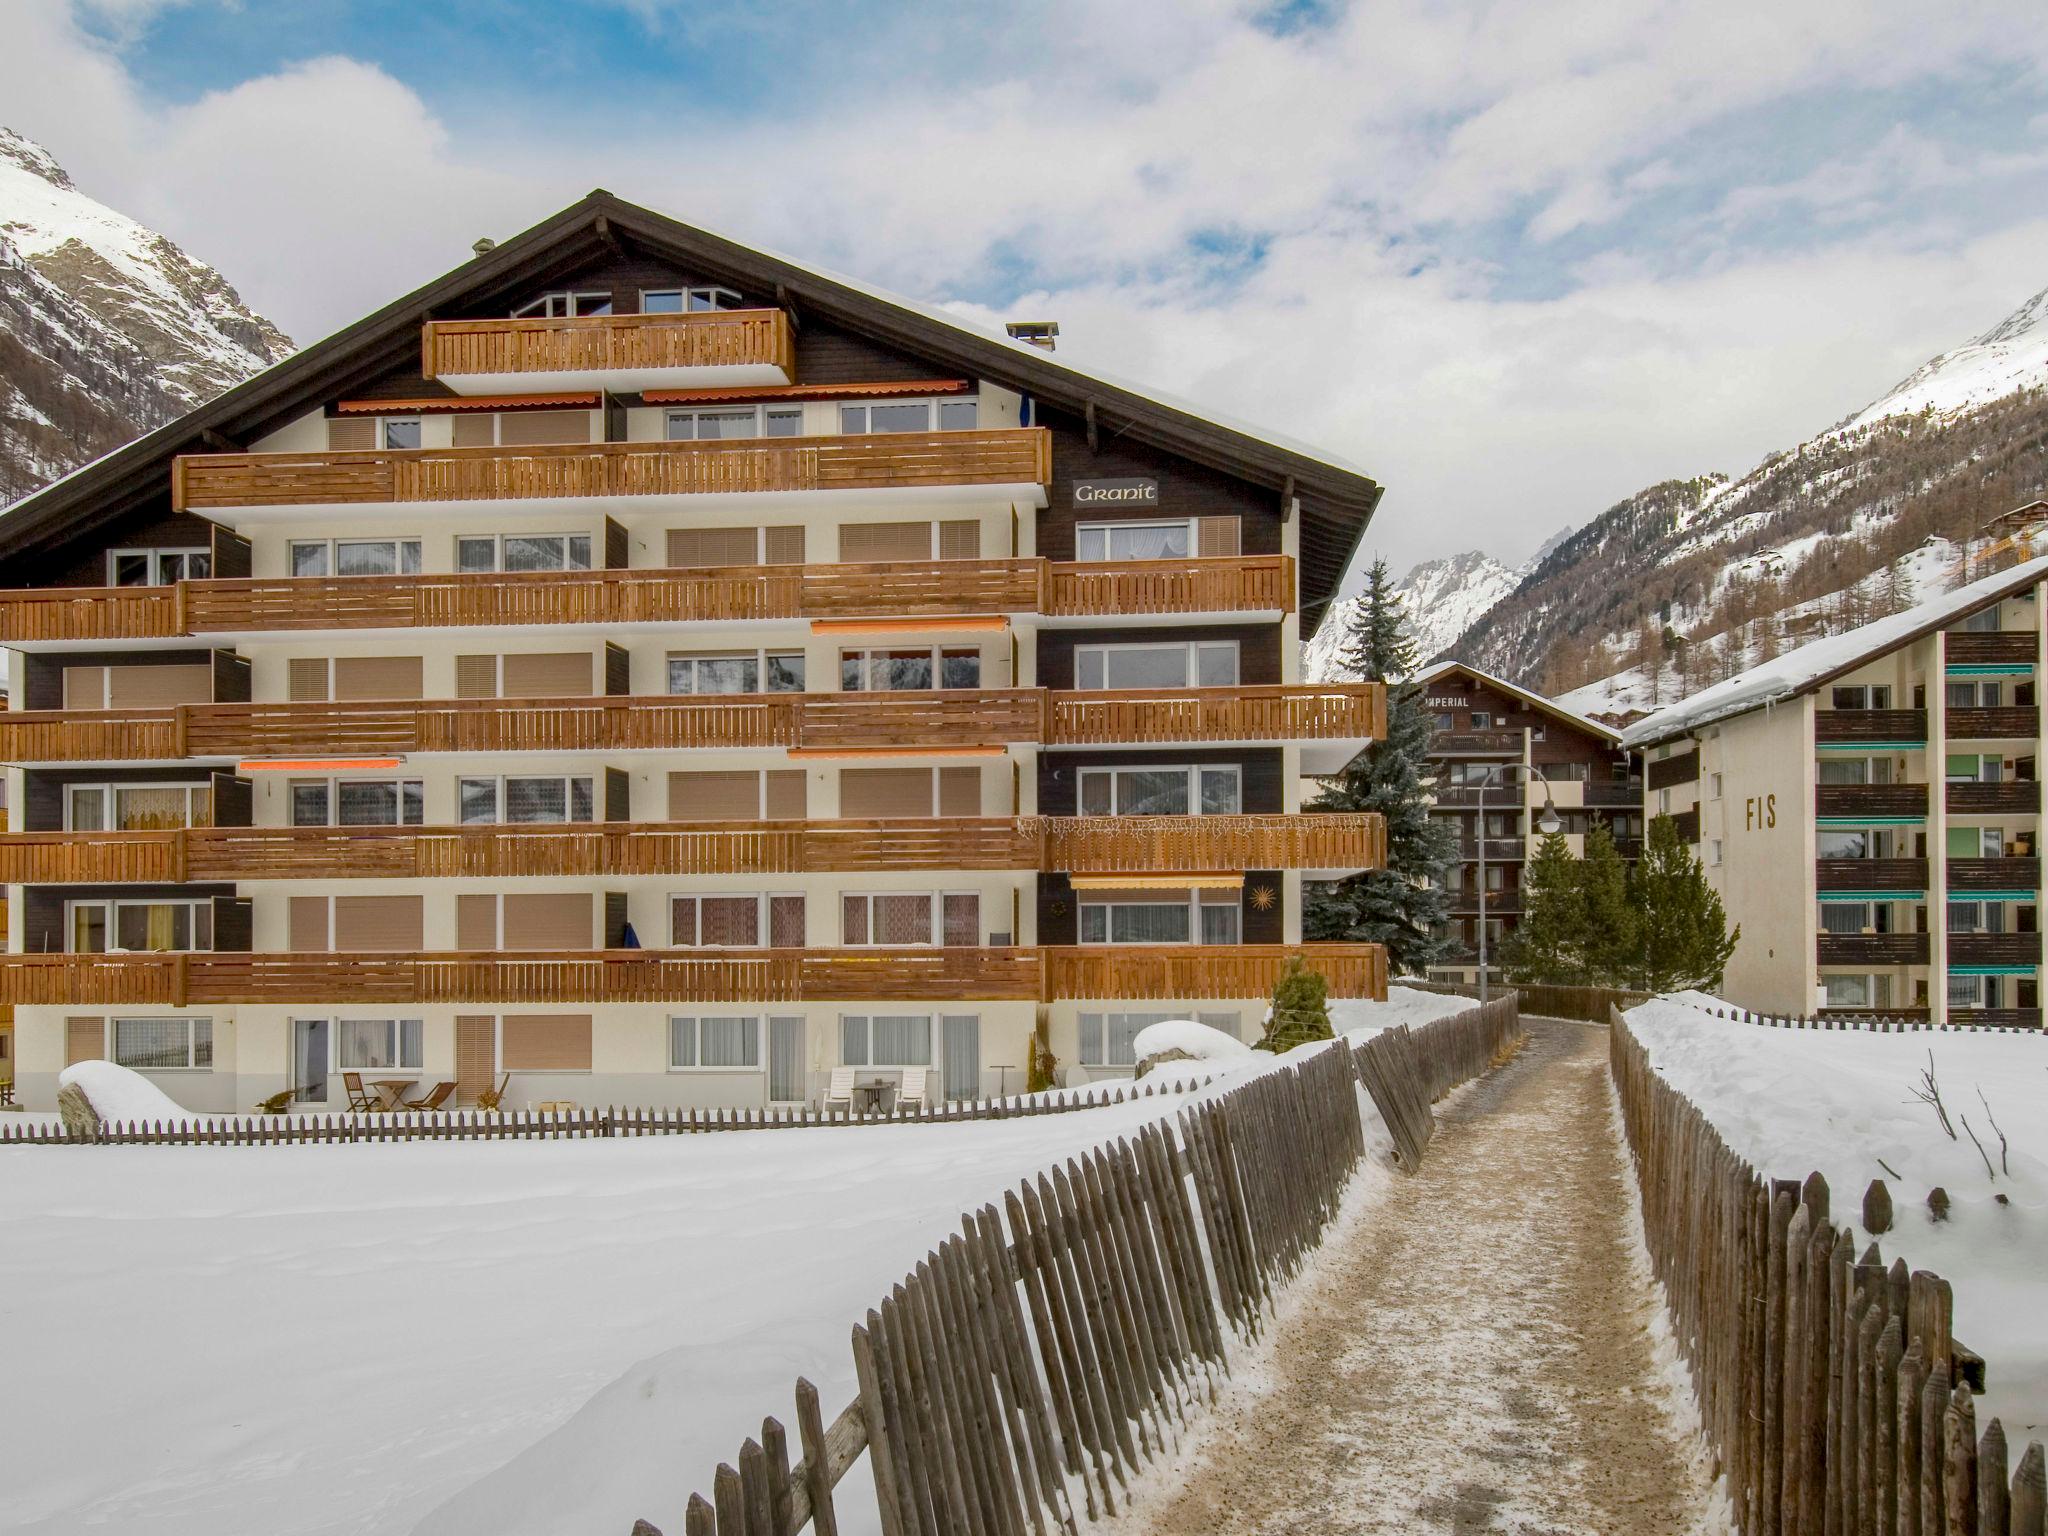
(1116, 493)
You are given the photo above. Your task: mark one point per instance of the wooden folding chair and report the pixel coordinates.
(360, 1100)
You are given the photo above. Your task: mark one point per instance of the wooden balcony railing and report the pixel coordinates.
(1081, 844)
(1994, 949)
(1994, 724)
(1996, 1018)
(906, 589)
(1873, 948)
(2017, 874)
(1177, 973)
(723, 339)
(1269, 712)
(1475, 744)
(1870, 800)
(1861, 725)
(887, 461)
(2007, 797)
(1871, 874)
(1614, 794)
(2005, 648)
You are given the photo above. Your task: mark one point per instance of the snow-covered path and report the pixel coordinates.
(1474, 1354)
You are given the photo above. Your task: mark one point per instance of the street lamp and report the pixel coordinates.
(1547, 823)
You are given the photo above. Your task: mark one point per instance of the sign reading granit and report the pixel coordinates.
(1116, 494)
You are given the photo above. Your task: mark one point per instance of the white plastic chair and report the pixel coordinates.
(839, 1093)
(911, 1095)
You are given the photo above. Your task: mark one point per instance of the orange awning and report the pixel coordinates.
(317, 764)
(741, 392)
(588, 401)
(988, 624)
(896, 752)
(1217, 882)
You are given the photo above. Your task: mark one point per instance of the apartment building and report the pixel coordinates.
(1868, 807)
(1504, 757)
(662, 673)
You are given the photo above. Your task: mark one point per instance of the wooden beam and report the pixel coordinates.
(1088, 412)
(786, 302)
(219, 442)
(1287, 500)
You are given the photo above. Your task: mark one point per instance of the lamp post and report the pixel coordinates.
(1547, 823)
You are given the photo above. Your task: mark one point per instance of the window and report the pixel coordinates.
(1107, 1039)
(715, 1043)
(1481, 720)
(519, 799)
(1976, 842)
(910, 416)
(136, 807)
(1862, 696)
(164, 1045)
(355, 557)
(377, 1045)
(1974, 768)
(736, 672)
(399, 431)
(1975, 991)
(885, 1040)
(677, 301)
(1857, 843)
(143, 927)
(923, 667)
(565, 306)
(1983, 622)
(157, 567)
(1855, 770)
(1856, 991)
(736, 922)
(523, 552)
(1715, 779)
(1151, 540)
(735, 421)
(1181, 664)
(1975, 695)
(1976, 917)
(893, 918)
(1176, 790)
(1716, 858)
(1199, 917)
(357, 803)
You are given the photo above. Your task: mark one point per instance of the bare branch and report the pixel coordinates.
(2004, 1163)
(1989, 1172)
(1928, 1092)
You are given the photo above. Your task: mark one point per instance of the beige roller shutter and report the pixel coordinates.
(709, 795)
(351, 434)
(306, 679)
(960, 540)
(547, 1042)
(555, 920)
(154, 687)
(713, 546)
(379, 922)
(85, 687)
(476, 677)
(783, 545)
(379, 677)
(306, 924)
(529, 428)
(85, 1039)
(476, 1055)
(476, 923)
(877, 794)
(475, 429)
(885, 541)
(554, 674)
(786, 794)
(1217, 536)
(959, 791)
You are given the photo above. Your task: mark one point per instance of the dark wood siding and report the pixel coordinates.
(1185, 489)
(42, 906)
(618, 795)
(1258, 645)
(827, 355)
(1683, 769)
(1059, 777)
(85, 564)
(42, 672)
(42, 801)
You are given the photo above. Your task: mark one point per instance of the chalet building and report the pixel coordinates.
(1503, 755)
(1869, 808)
(664, 673)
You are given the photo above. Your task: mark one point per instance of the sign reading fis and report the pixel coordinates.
(1759, 813)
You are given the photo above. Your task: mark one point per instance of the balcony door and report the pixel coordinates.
(960, 1055)
(309, 1061)
(785, 1061)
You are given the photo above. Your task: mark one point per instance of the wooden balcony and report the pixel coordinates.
(612, 598)
(1994, 949)
(2004, 723)
(1175, 973)
(2014, 647)
(1304, 712)
(1966, 875)
(1855, 726)
(1614, 794)
(1669, 772)
(1870, 874)
(618, 352)
(897, 461)
(1873, 948)
(1881, 800)
(2008, 797)
(1079, 844)
(1475, 744)
(1996, 1018)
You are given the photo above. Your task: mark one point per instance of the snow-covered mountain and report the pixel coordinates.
(2012, 355)
(107, 329)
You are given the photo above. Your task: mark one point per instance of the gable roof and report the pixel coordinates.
(1535, 701)
(1814, 665)
(1336, 498)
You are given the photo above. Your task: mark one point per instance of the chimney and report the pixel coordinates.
(485, 246)
(1039, 333)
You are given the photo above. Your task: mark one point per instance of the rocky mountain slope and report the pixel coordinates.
(107, 329)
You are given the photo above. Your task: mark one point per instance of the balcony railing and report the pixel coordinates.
(1866, 725)
(1871, 874)
(902, 721)
(2008, 648)
(1612, 794)
(1475, 744)
(886, 461)
(741, 345)
(2020, 874)
(1177, 973)
(1994, 949)
(2008, 797)
(1873, 949)
(1870, 800)
(1466, 900)
(1499, 850)
(1996, 1018)
(602, 599)
(1080, 844)
(1995, 724)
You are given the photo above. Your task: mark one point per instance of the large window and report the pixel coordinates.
(522, 799)
(355, 557)
(1858, 843)
(1839, 917)
(1976, 991)
(1106, 1038)
(164, 1045)
(1975, 768)
(736, 921)
(377, 1045)
(920, 667)
(730, 421)
(718, 672)
(565, 306)
(136, 807)
(1861, 696)
(157, 567)
(1975, 694)
(98, 927)
(1198, 917)
(1856, 991)
(910, 416)
(1207, 789)
(523, 552)
(679, 301)
(713, 1043)
(1976, 917)
(1179, 664)
(1153, 540)
(890, 918)
(885, 1040)
(357, 803)
(1855, 770)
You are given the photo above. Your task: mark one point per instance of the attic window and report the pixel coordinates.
(565, 306)
(676, 301)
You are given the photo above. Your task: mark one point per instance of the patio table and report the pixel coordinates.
(392, 1091)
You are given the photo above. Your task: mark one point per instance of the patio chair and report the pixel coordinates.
(360, 1100)
(441, 1094)
(839, 1092)
(911, 1096)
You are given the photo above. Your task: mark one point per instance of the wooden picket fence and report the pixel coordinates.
(1868, 1024)
(1405, 1081)
(1588, 1005)
(1038, 1359)
(1831, 1389)
(575, 1124)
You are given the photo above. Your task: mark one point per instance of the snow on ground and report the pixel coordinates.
(116, 1093)
(1792, 1101)
(1404, 1005)
(526, 1337)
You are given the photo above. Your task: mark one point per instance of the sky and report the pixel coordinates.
(1517, 260)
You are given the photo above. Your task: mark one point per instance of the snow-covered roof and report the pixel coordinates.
(1802, 670)
(1535, 701)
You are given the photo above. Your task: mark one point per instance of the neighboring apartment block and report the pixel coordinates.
(1869, 808)
(665, 673)
(1502, 756)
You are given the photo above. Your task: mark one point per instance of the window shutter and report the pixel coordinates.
(959, 791)
(1217, 536)
(85, 1039)
(378, 922)
(306, 679)
(85, 687)
(522, 429)
(476, 1055)
(557, 674)
(618, 795)
(547, 1042)
(711, 795)
(784, 545)
(885, 541)
(555, 920)
(475, 429)
(476, 677)
(306, 924)
(882, 794)
(960, 539)
(379, 677)
(351, 434)
(713, 546)
(786, 794)
(476, 923)
(155, 687)
(618, 669)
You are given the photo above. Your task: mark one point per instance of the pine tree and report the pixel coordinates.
(1301, 1009)
(1549, 943)
(1612, 930)
(1684, 937)
(1405, 906)
(1898, 587)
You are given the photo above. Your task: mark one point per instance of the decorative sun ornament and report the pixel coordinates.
(1262, 897)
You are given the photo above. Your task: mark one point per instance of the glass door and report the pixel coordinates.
(309, 1061)
(960, 1055)
(785, 1061)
